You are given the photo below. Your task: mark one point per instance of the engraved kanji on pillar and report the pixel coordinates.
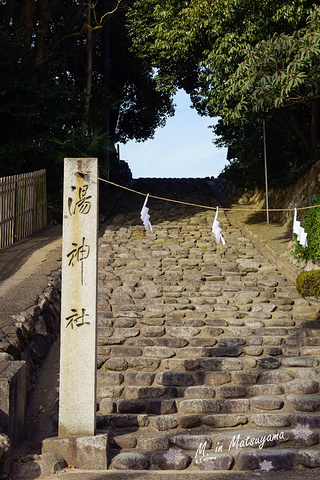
(77, 404)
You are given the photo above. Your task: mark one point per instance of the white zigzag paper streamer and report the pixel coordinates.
(217, 230)
(145, 217)
(299, 231)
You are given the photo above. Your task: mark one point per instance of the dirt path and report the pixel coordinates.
(43, 406)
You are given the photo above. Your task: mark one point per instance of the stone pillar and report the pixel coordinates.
(78, 363)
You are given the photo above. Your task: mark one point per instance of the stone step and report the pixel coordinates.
(77, 474)
(231, 400)
(175, 454)
(196, 340)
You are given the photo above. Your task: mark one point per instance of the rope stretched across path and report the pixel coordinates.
(207, 207)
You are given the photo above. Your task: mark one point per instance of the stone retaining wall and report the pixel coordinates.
(24, 343)
(298, 195)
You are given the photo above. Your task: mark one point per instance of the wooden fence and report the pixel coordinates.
(23, 206)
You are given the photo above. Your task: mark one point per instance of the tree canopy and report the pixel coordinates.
(227, 54)
(70, 86)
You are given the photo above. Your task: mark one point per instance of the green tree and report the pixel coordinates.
(198, 45)
(62, 71)
(281, 71)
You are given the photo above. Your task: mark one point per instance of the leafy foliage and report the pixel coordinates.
(308, 283)
(243, 61)
(45, 110)
(311, 225)
(282, 70)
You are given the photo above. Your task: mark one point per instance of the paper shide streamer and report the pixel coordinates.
(216, 230)
(145, 217)
(299, 231)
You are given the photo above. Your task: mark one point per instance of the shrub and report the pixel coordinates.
(308, 283)
(312, 228)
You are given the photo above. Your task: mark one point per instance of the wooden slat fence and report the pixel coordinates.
(23, 206)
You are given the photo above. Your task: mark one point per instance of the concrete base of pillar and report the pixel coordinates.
(86, 453)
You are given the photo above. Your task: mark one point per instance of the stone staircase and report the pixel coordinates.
(208, 358)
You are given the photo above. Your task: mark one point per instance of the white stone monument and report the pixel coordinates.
(78, 357)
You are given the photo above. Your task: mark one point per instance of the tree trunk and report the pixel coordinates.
(298, 129)
(315, 123)
(89, 71)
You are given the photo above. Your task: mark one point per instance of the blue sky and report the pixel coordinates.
(183, 148)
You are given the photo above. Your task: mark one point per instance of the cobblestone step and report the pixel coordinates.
(195, 339)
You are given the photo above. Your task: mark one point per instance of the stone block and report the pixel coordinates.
(269, 363)
(226, 351)
(214, 461)
(130, 461)
(244, 377)
(290, 351)
(153, 444)
(294, 341)
(193, 352)
(106, 406)
(109, 378)
(270, 420)
(231, 391)
(157, 331)
(300, 362)
(170, 342)
(163, 422)
(152, 322)
(116, 363)
(142, 364)
(32, 466)
(279, 377)
(126, 332)
(308, 458)
(301, 387)
(266, 460)
(273, 351)
(231, 342)
(184, 332)
(304, 403)
(224, 420)
(189, 421)
(199, 392)
(134, 393)
(235, 406)
(124, 322)
(159, 352)
(256, 390)
(312, 421)
(221, 363)
(125, 351)
(87, 453)
(309, 374)
(267, 402)
(254, 340)
(126, 441)
(191, 442)
(202, 342)
(139, 379)
(13, 398)
(198, 406)
(131, 406)
(181, 379)
(173, 459)
(109, 391)
(161, 407)
(211, 378)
